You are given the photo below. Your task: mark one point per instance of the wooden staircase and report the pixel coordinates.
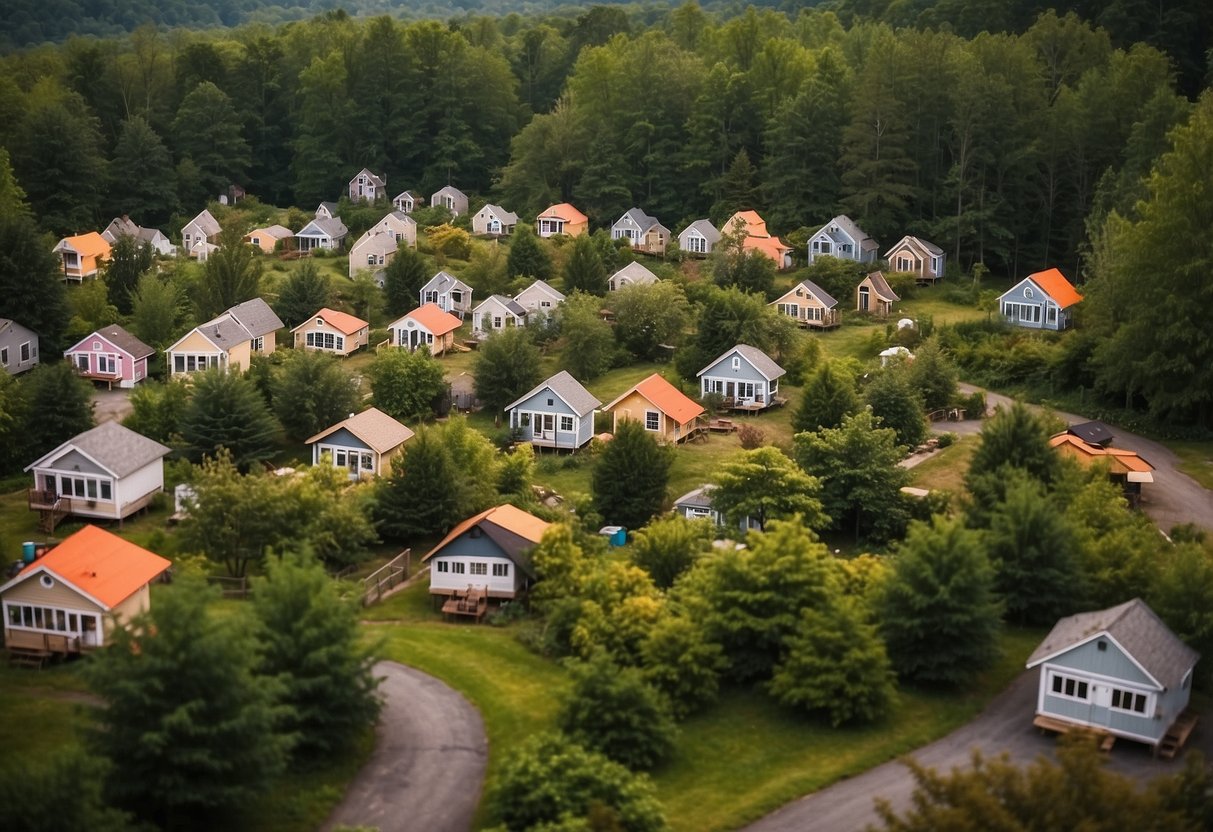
(29, 657)
(1177, 735)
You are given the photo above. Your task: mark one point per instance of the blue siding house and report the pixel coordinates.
(1040, 301)
(488, 555)
(559, 413)
(1120, 671)
(745, 377)
(697, 505)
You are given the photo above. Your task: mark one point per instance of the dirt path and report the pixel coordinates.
(428, 766)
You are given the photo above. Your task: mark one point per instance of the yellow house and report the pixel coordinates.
(562, 218)
(330, 330)
(660, 407)
(228, 341)
(75, 595)
(83, 255)
(266, 239)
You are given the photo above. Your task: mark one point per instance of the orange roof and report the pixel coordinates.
(510, 518)
(91, 244)
(1057, 287)
(100, 564)
(772, 247)
(432, 317)
(756, 226)
(665, 397)
(1129, 460)
(565, 211)
(341, 321)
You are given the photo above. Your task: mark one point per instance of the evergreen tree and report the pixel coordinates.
(60, 406)
(604, 190)
(613, 711)
(142, 177)
(157, 308)
(763, 485)
(738, 188)
(898, 406)
(630, 477)
(584, 271)
(528, 258)
(311, 391)
(1011, 440)
(312, 648)
(13, 420)
(938, 612)
(189, 728)
(208, 132)
(836, 665)
(226, 411)
(589, 343)
(406, 385)
(934, 375)
(231, 275)
(402, 281)
(506, 367)
(129, 261)
(58, 160)
(421, 498)
(827, 400)
(305, 291)
(31, 281)
(157, 408)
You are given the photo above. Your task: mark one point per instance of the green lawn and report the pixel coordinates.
(945, 471)
(1195, 460)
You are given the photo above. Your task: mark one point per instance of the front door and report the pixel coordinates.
(863, 299)
(547, 426)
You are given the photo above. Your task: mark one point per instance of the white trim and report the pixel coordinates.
(42, 568)
(68, 444)
(1159, 686)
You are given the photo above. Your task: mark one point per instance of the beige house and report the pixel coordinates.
(72, 597)
(660, 407)
(400, 225)
(809, 305)
(493, 220)
(643, 232)
(914, 255)
(427, 326)
(364, 444)
(266, 239)
(373, 251)
(332, 331)
(228, 341)
(875, 296)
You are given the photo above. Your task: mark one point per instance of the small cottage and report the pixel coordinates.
(494, 221)
(916, 256)
(539, 298)
(427, 326)
(699, 238)
(452, 199)
(486, 556)
(228, 341)
(745, 377)
(697, 505)
(875, 296)
(111, 354)
(660, 407)
(1125, 468)
(497, 312)
(75, 595)
(1119, 671)
(558, 413)
(331, 331)
(367, 187)
(372, 252)
(18, 347)
(326, 211)
(400, 225)
(809, 305)
(108, 472)
(448, 293)
(757, 239)
(123, 227)
(198, 236)
(1040, 301)
(633, 274)
(364, 444)
(269, 238)
(321, 233)
(842, 238)
(643, 232)
(408, 201)
(82, 256)
(562, 218)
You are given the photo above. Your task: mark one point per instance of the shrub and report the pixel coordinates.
(751, 437)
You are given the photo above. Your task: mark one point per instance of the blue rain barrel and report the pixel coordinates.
(27, 551)
(615, 535)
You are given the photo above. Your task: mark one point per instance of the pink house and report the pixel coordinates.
(111, 354)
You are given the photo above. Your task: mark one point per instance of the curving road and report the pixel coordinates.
(1004, 726)
(428, 766)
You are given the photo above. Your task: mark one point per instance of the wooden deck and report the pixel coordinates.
(1058, 726)
(472, 603)
(18, 641)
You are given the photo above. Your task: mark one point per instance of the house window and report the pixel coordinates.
(107, 364)
(1127, 700)
(25, 352)
(496, 322)
(904, 264)
(1027, 292)
(697, 244)
(566, 423)
(652, 420)
(501, 570)
(456, 297)
(479, 568)
(736, 363)
(457, 567)
(545, 304)
(4, 356)
(789, 309)
(431, 297)
(823, 247)
(443, 566)
(1052, 314)
(367, 462)
(48, 619)
(1068, 687)
(259, 344)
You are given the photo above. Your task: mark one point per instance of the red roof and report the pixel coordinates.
(432, 317)
(99, 564)
(665, 397)
(1057, 287)
(566, 212)
(343, 322)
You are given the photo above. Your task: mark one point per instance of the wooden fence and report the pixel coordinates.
(231, 587)
(382, 580)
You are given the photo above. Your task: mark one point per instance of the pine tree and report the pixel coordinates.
(189, 728)
(506, 367)
(58, 160)
(738, 188)
(527, 255)
(232, 275)
(207, 130)
(60, 406)
(143, 180)
(157, 307)
(31, 281)
(630, 477)
(934, 375)
(421, 498)
(938, 612)
(226, 411)
(898, 406)
(402, 281)
(828, 398)
(305, 291)
(129, 261)
(584, 271)
(312, 647)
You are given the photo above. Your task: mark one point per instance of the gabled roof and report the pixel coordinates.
(99, 565)
(413, 195)
(513, 529)
(1055, 285)
(812, 288)
(1135, 627)
(924, 247)
(665, 397)
(1095, 433)
(91, 244)
(432, 317)
(278, 232)
(343, 322)
(376, 239)
(701, 497)
(256, 316)
(6, 323)
(757, 359)
(1121, 461)
(881, 287)
(642, 220)
(115, 448)
(331, 207)
(379, 431)
(375, 178)
(757, 237)
(399, 216)
(449, 190)
(224, 332)
(569, 389)
(755, 225)
(545, 287)
(324, 226)
(705, 229)
(857, 234)
(443, 282)
(506, 302)
(634, 272)
(120, 338)
(206, 222)
(564, 211)
(503, 216)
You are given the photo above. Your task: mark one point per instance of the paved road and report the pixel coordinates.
(1004, 726)
(111, 405)
(428, 765)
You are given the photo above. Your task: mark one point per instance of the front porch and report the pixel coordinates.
(826, 319)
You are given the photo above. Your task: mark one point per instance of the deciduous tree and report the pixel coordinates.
(589, 343)
(157, 309)
(650, 317)
(31, 280)
(669, 546)
(507, 366)
(528, 258)
(898, 406)
(764, 485)
(405, 385)
(402, 281)
(421, 497)
(232, 275)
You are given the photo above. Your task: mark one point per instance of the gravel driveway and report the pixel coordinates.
(428, 766)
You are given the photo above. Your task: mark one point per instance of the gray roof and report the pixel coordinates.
(919, 242)
(546, 287)
(331, 207)
(206, 222)
(375, 178)
(225, 332)
(117, 449)
(822, 294)
(505, 217)
(280, 232)
(1093, 433)
(256, 316)
(333, 228)
(856, 233)
(1136, 628)
(443, 282)
(882, 287)
(701, 497)
(400, 215)
(566, 387)
(508, 302)
(451, 190)
(122, 339)
(376, 429)
(382, 241)
(706, 230)
(758, 359)
(642, 220)
(635, 273)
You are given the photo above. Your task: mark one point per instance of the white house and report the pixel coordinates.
(448, 293)
(408, 201)
(643, 232)
(18, 347)
(107, 472)
(539, 298)
(367, 187)
(488, 554)
(633, 274)
(700, 237)
(199, 234)
(494, 220)
(322, 233)
(842, 238)
(452, 199)
(746, 377)
(497, 312)
(427, 326)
